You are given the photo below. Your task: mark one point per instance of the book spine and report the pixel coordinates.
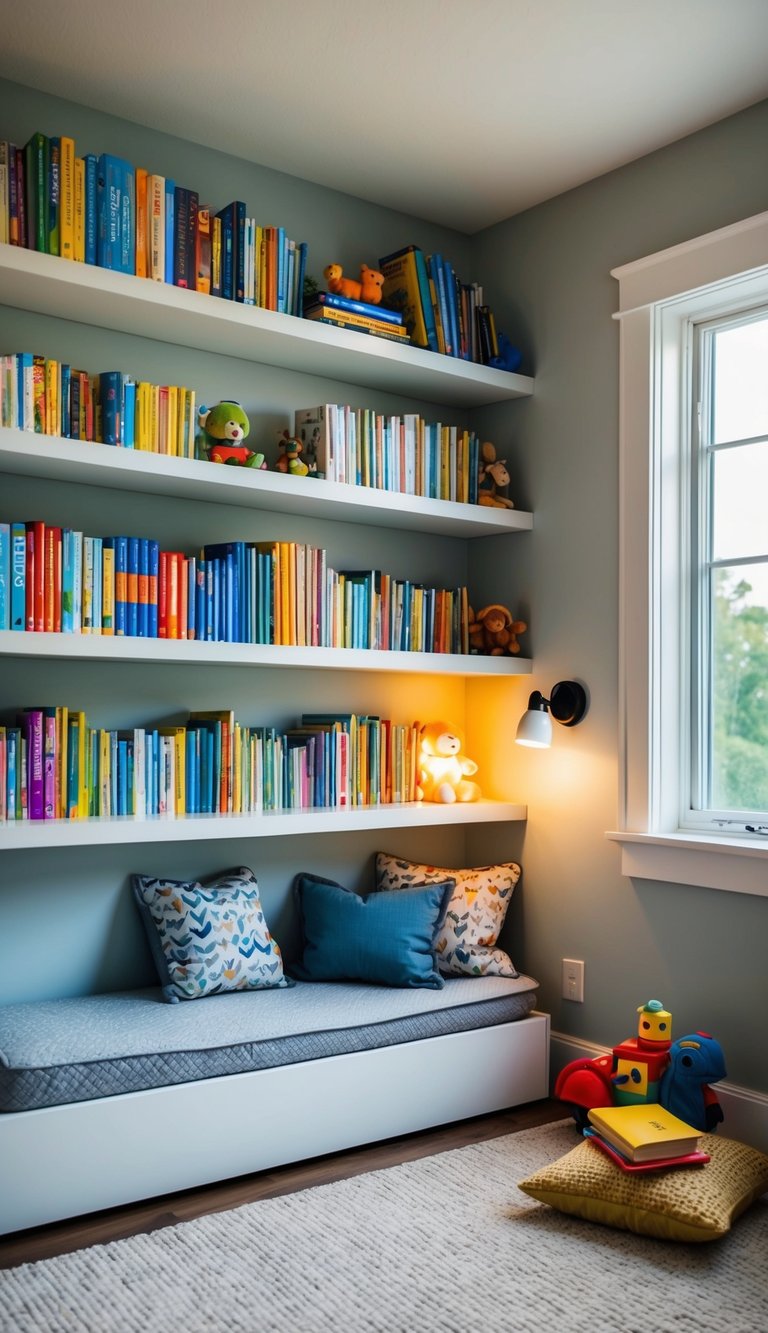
(18, 576)
(91, 208)
(142, 223)
(121, 585)
(153, 564)
(142, 616)
(36, 171)
(193, 209)
(32, 730)
(67, 205)
(49, 764)
(216, 256)
(78, 242)
(108, 588)
(181, 237)
(5, 576)
(6, 176)
(53, 200)
(238, 248)
(111, 399)
(127, 252)
(203, 251)
(156, 210)
(170, 230)
(132, 589)
(129, 413)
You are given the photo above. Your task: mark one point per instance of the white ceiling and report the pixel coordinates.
(459, 111)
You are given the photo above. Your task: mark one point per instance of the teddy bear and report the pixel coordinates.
(443, 769)
(493, 631)
(225, 427)
(367, 289)
(492, 478)
(289, 460)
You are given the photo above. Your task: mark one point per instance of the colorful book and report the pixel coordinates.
(36, 191)
(5, 576)
(53, 201)
(656, 1164)
(342, 319)
(91, 218)
(156, 212)
(170, 229)
(334, 302)
(645, 1132)
(406, 290)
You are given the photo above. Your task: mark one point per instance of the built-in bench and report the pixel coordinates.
(117, 1097)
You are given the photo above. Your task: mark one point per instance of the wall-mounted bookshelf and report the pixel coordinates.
(57, 459)
(180, 652)
(28, 834)
(97, 296)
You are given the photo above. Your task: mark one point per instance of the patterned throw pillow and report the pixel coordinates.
(476, 912)
(696, 1203)
(209, 937)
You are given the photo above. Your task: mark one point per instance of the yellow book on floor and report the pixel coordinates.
(645, 1132)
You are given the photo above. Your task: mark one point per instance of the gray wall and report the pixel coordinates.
(702, 952)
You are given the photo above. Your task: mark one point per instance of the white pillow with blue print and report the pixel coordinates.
(208, 937)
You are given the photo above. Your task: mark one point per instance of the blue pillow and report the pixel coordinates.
(388, 938)
(210, 937)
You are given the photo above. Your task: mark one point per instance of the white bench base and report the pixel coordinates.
(63, 1161)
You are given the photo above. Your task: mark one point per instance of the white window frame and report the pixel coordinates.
(660, 296)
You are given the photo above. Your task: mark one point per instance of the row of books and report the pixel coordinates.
(394, 453)
(103, 210)
(54, 766)
(57, 580)
(48, 397)
(345, 313)
(441, 312)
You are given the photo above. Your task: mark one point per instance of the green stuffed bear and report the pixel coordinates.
(226, 426)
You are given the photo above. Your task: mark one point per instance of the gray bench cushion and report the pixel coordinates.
(71, 1050)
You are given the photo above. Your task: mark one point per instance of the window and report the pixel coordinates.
(729, 592)
(694, 562)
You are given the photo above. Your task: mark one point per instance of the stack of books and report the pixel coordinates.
(345, 313)
(644, 1137)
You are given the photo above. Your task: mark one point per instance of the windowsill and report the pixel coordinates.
(737, 865)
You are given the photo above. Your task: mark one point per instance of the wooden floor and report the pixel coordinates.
(116, 1223)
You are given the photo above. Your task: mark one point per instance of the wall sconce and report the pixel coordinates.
(567, 704)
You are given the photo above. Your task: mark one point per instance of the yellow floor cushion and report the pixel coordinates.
(694, 1203)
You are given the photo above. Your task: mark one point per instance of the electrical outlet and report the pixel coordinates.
(573, 980)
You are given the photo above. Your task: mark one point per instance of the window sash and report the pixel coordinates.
(698, 809)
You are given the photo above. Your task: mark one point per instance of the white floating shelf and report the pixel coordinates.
(97, 296)
(277, 824)
(88, 464)
(176, 652)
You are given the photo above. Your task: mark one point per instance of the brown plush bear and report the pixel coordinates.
(493, 631)
(367, 289)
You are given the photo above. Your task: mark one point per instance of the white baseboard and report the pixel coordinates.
(745, 1111)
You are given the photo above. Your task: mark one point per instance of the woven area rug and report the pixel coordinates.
(443, 1244)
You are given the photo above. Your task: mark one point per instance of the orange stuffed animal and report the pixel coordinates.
(367, 289)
